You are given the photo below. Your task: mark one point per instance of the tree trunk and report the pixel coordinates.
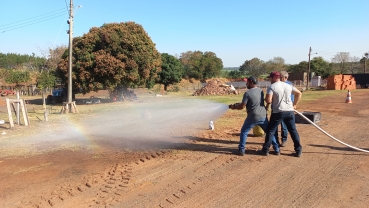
(43, 99)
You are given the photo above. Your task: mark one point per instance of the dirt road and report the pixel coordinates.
(201, 171)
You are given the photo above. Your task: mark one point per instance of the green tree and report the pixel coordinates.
(199, 65)
(320, 67)
(114, 55)
(21, 62)
(211, 65)
(44, 81)
(234, 74)
(254, 67)
(275, 64)
(17, 77)
(300, 67)
(171, 70)
(191, 61)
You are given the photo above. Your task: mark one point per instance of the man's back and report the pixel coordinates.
(254, 100)
(281, 100)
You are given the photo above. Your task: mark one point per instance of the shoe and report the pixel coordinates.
(298, 154)
(262, 152)
(283, 144)
(239, 152)
(277, 153)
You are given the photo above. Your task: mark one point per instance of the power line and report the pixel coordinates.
(66, 4)
(30, 21)
(31, 18)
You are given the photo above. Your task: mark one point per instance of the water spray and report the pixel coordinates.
(308, 120)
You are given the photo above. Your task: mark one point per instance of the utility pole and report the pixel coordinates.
(308, 74)
(70, 32)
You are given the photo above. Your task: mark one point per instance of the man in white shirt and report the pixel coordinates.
(279, 95)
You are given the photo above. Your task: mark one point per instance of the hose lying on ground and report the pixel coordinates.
(355, 148)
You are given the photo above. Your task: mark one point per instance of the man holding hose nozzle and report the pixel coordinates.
(279, 95)
(284, 131)
(253, 99)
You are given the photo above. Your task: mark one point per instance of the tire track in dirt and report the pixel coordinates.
(102, 189)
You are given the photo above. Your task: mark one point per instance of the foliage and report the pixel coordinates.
(54, 56)
(275, 64)
(300, 67)
(254, 67)
(17, 77)
(233, 74)
(17, 61)
(171, 70)
(45, 80)
(201, 66)
(321, 67)
(365, 64)
(114, 55)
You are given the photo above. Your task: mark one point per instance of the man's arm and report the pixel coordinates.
(268, 99)
(297, 97)
(238, 106)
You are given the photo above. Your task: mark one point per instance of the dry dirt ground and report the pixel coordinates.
(203, 172)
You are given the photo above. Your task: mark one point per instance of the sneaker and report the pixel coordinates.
(283, 144)
(239, 152)
(298, 154)
(277, 153)
(262, 152)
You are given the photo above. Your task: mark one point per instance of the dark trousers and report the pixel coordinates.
(288, 117)
(284, 133)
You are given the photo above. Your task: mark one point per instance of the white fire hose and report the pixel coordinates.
(355, 148)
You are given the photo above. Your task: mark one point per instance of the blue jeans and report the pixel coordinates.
(288, 117)
(247, 126)
(284, 133)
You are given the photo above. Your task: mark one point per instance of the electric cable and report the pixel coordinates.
(66, 4)
(352, 147)
(32, 20)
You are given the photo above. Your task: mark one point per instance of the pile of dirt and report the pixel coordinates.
(215, 87)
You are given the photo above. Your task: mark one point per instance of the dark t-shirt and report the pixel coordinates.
(254, 101)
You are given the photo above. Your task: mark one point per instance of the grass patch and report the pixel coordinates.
(317, 94)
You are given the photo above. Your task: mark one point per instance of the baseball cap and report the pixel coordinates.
(275, 74)
(252, 79)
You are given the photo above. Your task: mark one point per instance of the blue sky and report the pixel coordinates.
(236, 30)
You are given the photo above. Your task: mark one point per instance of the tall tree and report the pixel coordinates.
(199, 65)
(254, 67)
(44, 81)
(320, 67)
(354, 64)
(53, 56)
(113, 55)
(275, 64)
(191, 61)
(211, 65)
(300, 67)
(365, 62)
(341, 60)
(17, 77)
(171, 70)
